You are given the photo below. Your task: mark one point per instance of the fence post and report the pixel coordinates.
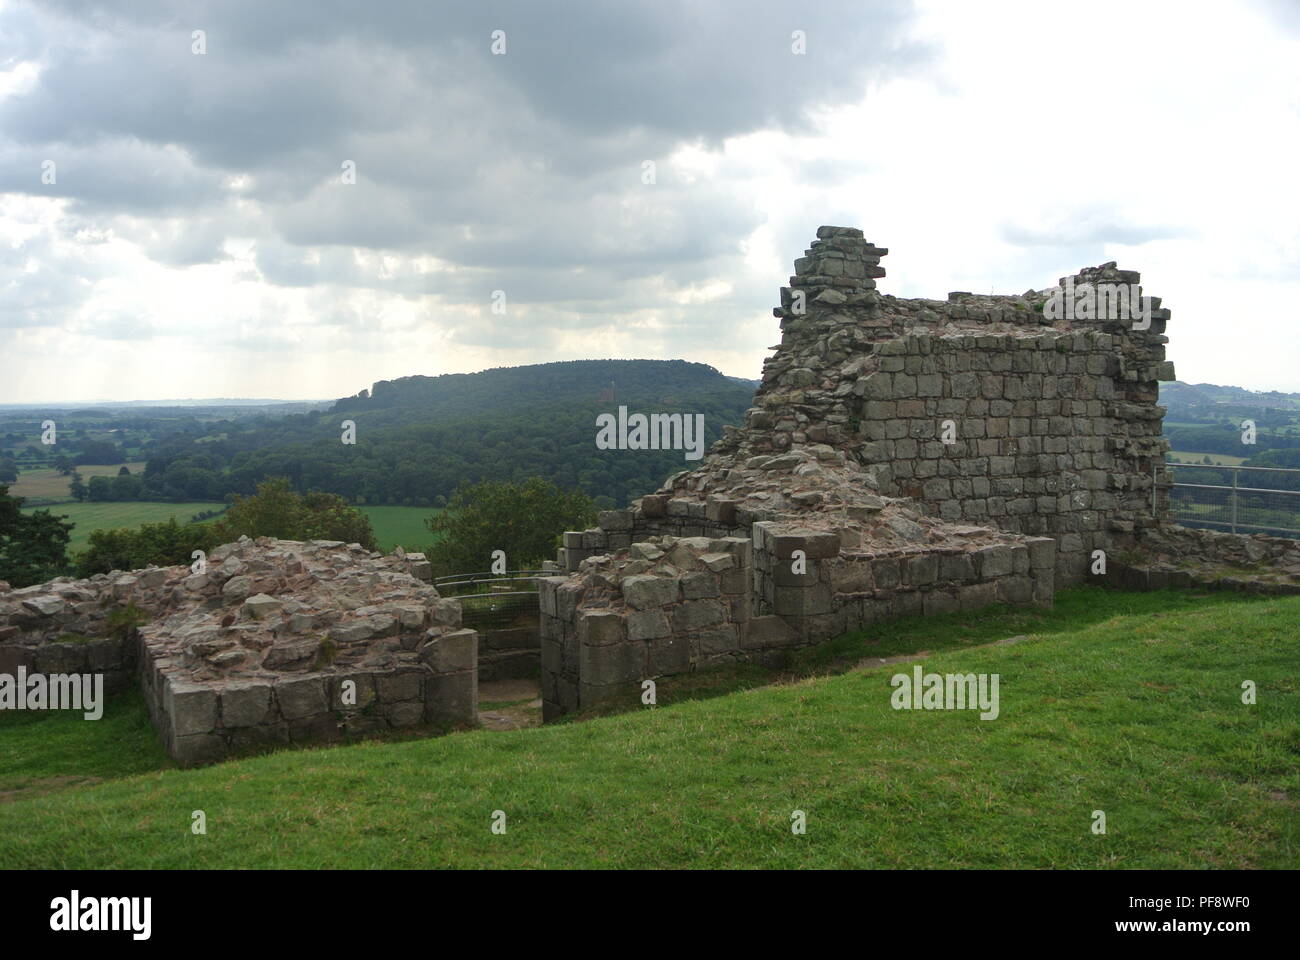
(1235, 471)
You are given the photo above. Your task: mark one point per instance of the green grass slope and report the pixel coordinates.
(1126, 703)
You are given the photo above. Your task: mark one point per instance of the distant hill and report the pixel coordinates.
(507, 389)
(1206, 418)
(1212, 395)
(418, 438)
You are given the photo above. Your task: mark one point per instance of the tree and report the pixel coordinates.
(151, 544)
(33, 547)
(277, 510)
(98, 451)
(523, 519)
(100, 489)
(125, 487)
(77, 487)
(8, 471)
(123, 471)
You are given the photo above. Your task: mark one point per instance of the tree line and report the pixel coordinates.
(525, 520)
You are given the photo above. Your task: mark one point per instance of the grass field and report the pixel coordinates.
(1125, 703)
(48, 485)
(101, 516)
(392, 525)
(400, 526)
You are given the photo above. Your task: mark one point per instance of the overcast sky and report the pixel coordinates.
(199, 239)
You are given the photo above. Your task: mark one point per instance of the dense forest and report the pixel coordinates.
(418, 438)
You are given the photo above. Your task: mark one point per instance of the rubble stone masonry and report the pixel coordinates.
(930, 455)
(277, 642)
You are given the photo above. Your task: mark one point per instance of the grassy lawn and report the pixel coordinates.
(1126, 703)
(89, 517)
(48, 485)
(400, 526)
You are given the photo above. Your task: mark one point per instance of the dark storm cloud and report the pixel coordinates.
(523, 171)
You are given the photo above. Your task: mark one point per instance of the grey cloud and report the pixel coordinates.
(38, 286)
(522, 171)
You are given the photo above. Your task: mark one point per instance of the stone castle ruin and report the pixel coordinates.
(901, 457)
(276, 642)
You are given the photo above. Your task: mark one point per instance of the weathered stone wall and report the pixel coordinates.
(1175, 556)
(509, 653)
(979, 409)
(925, 455)
(276, 642)
(669, 606)
(666, 606)
(1053, 424)
(1048, 437)
(69, 626)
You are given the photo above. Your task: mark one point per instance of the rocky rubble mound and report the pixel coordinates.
(273, 606)
(262, 606)
(817, 488)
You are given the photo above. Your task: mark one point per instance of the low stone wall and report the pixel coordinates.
(655, 515)
(671, 605)
(1213, 546)
(1173, 556)
(666, 606)
(69, 626)
(847, 589)
(275, 642)
(205, 722)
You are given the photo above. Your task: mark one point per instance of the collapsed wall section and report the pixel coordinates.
(993, 410)
(929, 455)
(276, 642)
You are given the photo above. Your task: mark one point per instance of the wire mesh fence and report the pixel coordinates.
(491, 601)
(1237, 499)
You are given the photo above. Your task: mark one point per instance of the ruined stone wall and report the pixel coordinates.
(1053, 426)
(1046, 436)
(71, 626)
(978, 409)
(664, 607)
(669, 605)
(276, 642)
(927, 455)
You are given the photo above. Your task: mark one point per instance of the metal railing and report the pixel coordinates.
(1232, 506)
(490, 601)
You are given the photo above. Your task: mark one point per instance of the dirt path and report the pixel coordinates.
(510, 704)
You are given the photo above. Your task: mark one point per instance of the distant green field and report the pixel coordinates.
(400, 526)
(89, 517)
(47, 484)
